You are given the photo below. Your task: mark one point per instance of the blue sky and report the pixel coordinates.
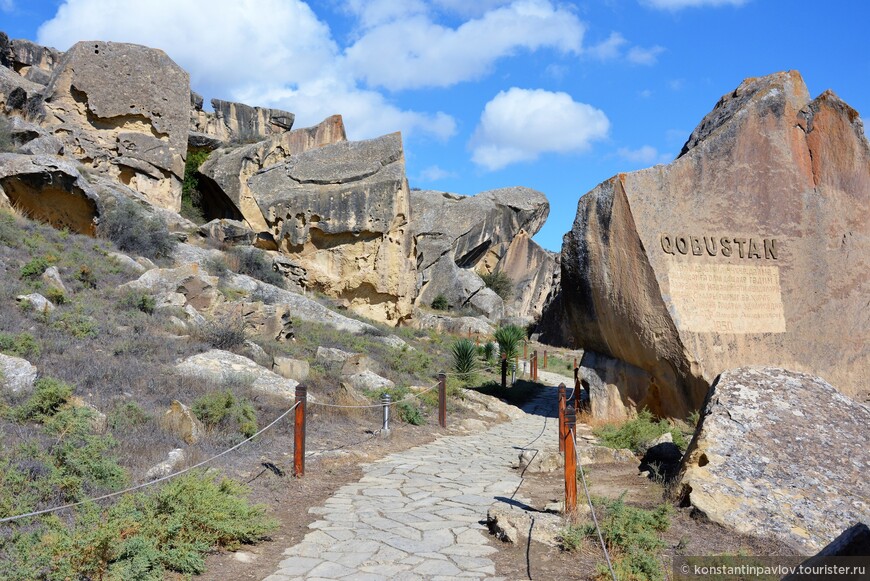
(555, 96)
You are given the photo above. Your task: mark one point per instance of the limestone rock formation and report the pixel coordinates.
(535, 274)
(750, 248)
(28, 59)
(342, 211)
(180, 421)
(223, 367)
(236, 122)
(465, 326)
(122, 110)
(458, 235)
(780, 454)
(224, 182)
(16, 374)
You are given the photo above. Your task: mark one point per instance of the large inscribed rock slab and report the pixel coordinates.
(751, 248)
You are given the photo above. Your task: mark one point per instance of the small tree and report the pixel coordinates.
(499, 283)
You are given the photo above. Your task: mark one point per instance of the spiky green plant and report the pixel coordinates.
(509, 338)
(489, 351)
(464, 359)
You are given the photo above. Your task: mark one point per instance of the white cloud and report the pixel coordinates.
(608, 49)
(274, 53)
(520, 124)
(7, 6)
(414, 51)
(434, 173)
(644, 56)
(644, 155)
(675, 5)
(645, 94)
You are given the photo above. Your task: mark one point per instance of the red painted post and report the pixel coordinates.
(536, 365)
(562, 406)
(299, 432)
(525, 349)
(504, 370)
(545, 358)
(570, 461)
(442, 400)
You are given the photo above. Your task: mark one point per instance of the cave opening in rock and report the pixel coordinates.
(213, 202)
(53, 199)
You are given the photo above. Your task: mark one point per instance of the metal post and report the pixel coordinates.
(570, 461)
(442, 400)
(385, 401)
(299, 432)
(562, 406)
(504, 370)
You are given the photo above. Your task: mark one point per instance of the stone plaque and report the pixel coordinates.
(726, 298)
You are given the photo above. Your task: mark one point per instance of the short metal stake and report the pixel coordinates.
(385, 401)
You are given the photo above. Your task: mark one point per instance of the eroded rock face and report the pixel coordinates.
(30, 60)
(535, 274)
(225, 175)
(122, 110)
(782, 454)
(341, 212)
(458, 236)
(751, 248)
(223, 367)
(236, 122)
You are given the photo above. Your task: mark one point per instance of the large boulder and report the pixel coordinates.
(224, 176)
(236, 122)
(16, 374)
(223, 367)
(341, 211)
(459, 236)
(752, 247)
(535, 275)
(122, 109)
(30, 60)
(780, 454)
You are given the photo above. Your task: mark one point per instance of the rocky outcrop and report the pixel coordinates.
(49, 189)
(30, 60)
(188, 283)
(18, 95)
(779, 454)
(236, 122)
(180, 421)
(223, 367)
(122, 110)
(224, 176)
(535, 274)
(751, 248)
(458, 236)
(341, 212)
(16, 374)
(465, 326)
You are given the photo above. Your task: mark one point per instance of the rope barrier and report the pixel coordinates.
(592, 509)
(150, 483)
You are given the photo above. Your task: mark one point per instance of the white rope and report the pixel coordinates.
(375, 405)
(592, 508)
(150, 483)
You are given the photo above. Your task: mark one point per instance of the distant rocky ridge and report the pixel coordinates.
(751, 248)
(106, 120)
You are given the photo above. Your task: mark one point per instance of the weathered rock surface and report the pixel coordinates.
(367, 380)
(289, 368)
(224, 367)
(331, 355)
(540, 461)
(780, 454)
(456, 235)
(196, 286)
(16, 374)
(453, 325)
(512, 525)
(30, 60)
(50, 189)
(37, 302)
(236, 122)
(174, 460)
(342, 212)
(17, 94)
(180, 421)
(751, 248)
(535, 274)
(227, 231)
(225, 175)
(122, 109)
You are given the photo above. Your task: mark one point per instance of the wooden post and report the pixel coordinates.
(442, 400)
(535, 368)
(570, 461)
(504, 370)
(576, 370)
(545, 358)
(562, 406)
(525, 349)
(299, 432)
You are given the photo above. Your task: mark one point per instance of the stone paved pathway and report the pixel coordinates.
(417, 514)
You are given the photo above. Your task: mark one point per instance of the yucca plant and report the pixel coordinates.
(464, 359)
(489, 351)
(509, 338)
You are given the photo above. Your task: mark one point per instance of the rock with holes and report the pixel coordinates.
(225, 175)
(123, 110)
(458, 236)
(751, 248)
(180, 421)
(17, 94)
(780, 454)
(16, 374)
(341, 211)
(223, 367)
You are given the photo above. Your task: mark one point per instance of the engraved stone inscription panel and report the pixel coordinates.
(726, 298)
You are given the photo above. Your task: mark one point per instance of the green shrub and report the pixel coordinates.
(77, 324)
(20, 345)
(56, 296)
(34, 268)
(127, 415)
(47, 398)
(86, 276)
(191, 197)
(223, 332)
(139, 301)
(464, 359)
(135, 232)
(223, 409)
(489, 352)
(440, 303)
(9, 230)
(254, 263)
(499, 283)
(414, 362)
(410, 414)
(636, 433)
